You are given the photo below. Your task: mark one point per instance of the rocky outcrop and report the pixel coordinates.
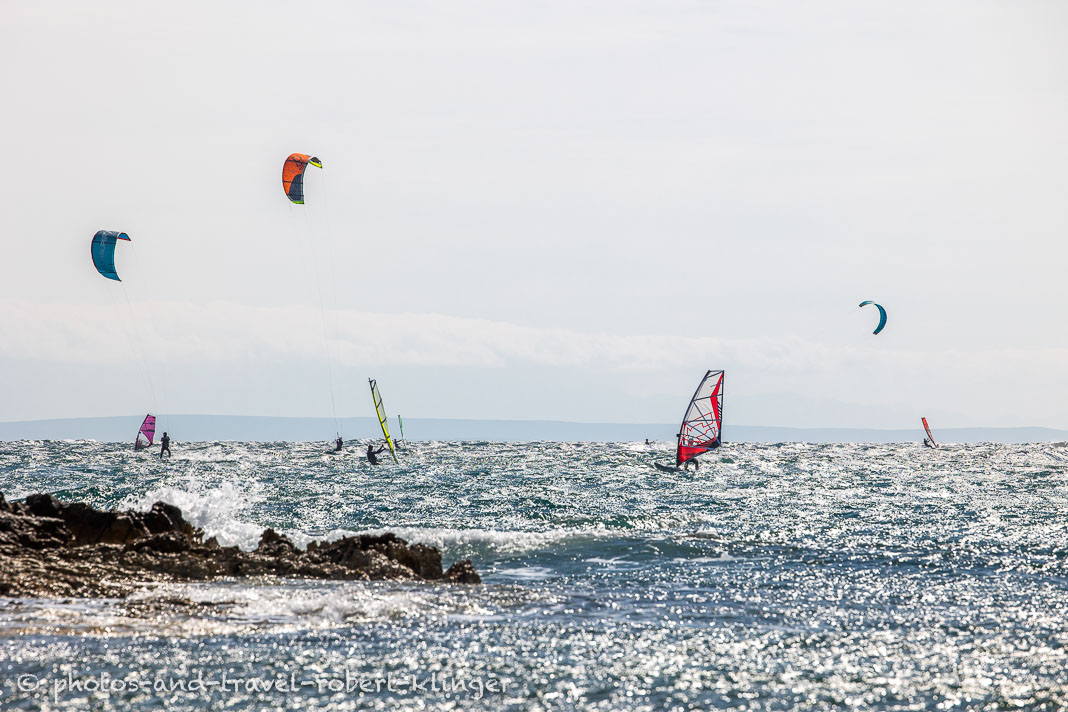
(52, 548)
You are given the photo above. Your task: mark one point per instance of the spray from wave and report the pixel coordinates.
(223, 510)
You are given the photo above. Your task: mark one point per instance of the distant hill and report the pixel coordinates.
(200, 428)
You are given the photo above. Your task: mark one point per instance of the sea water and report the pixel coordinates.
(779, 576)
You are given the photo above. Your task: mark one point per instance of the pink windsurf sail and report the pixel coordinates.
(146, 434)
(702, 426)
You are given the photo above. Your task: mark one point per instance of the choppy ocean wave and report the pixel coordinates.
(781, 576)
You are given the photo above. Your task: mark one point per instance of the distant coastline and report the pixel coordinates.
(206, 428)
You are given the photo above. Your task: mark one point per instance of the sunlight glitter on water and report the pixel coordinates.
(782, 576)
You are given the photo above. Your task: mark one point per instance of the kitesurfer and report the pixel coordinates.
(339, 444)
(371, 452)
(164, 445)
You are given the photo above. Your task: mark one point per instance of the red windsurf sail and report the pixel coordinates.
(928, 429)
(702, 426)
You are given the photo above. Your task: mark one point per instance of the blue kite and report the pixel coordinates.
(882, 315)
(104, 252)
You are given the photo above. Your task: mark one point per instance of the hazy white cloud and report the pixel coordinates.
(230, 333)
(221, 332)
(784, 381)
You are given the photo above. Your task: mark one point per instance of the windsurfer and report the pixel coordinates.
(702, 425)
(164, 445)
(928, 441)
(371, 452)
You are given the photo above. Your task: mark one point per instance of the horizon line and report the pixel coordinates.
(539, 420)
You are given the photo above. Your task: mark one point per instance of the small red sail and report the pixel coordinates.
(928, 429)
(702, 426)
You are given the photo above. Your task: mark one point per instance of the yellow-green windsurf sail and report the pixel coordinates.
(382, 419)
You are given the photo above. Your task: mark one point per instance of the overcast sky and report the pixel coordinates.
(560, 210)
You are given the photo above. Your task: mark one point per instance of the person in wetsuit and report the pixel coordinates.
(686, 465)
(339, 444)
(371, 452)
(927, 443)
(165, 445)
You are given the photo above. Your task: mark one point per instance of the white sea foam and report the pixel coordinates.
(223, 510)
(529, 573)
(323, 604)
(226, 511)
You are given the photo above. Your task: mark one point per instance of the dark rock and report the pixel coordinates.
(274, 544)
(167, 542)
(420, 558)
(33, 532)
(93, 526)
(42, 505)
(49, 548)
(380, 567)
(165, 517)
(347, 551)
(462, 572)
(372, 541)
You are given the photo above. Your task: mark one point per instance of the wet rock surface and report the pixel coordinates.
(50, 548)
